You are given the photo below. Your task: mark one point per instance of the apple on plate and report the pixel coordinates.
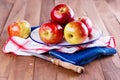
(51, 33)
(88, 23)
(75, 32)
(62, 14)
(20, 28)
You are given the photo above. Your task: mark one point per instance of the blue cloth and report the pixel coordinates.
(83, 57)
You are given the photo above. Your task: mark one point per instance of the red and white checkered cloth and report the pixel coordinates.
(17, 45)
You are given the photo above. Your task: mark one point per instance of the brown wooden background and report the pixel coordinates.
(105, 14)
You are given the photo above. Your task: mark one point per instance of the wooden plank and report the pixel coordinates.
(65, 74)
(26, 64)
(5, 60)
(103, 16)
(78, 11)
(22, 68)
(110, 65)
(93, 14)
(46, 8)
(45, 70)
(5, 64)
(62, 73)
(93, 71)
(115, 8)
(114, 4)
(110, 21)
(17, 12)
(5, 7)
(32, 14)
(3, 78)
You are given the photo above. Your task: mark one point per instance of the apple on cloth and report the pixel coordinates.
(81, 55)
(20, 28)
(62, 25)
(78, 55)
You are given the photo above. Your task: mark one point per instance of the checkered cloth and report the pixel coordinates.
(77, 55)
(17, 45)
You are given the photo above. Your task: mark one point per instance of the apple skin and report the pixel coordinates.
(51, 33)
(88, 23)
(75, 32)
(62, 14)
(20, 28)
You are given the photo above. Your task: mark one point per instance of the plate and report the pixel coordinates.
(95, 35)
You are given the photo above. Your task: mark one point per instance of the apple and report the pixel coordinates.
(62, 14)
(87, 22)
(75, 32)
(20, 28)
(51, 33)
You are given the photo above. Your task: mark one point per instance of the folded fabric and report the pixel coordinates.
(85, 56)
(16, 45)
(78, 55)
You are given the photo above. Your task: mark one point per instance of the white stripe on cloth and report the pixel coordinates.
(17, 45)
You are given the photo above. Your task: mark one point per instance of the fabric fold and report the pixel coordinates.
(16, 44)
(78, 55)
(85, 56)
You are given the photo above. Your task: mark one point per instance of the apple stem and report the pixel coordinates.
(79, 18)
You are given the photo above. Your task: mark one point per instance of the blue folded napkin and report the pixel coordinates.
(85, 56)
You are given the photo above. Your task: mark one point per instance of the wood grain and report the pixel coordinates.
(43, 68)
(5, 7)
(27, 63)
(88, 11)
(22, 68)
(110, 65)
(105, 15)
(5, 60)
(112, 25)
(2, 78)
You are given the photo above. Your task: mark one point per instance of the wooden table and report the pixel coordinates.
(105, 14)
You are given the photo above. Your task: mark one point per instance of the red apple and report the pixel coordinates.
(62, 14)
(51, 33)
(88, 23)
(20, 28)
(75, 32)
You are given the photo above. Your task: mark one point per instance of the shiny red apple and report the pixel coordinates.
(20, 28)
(51, 33)
(62, 14)
(87, 22)
(75, 32)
